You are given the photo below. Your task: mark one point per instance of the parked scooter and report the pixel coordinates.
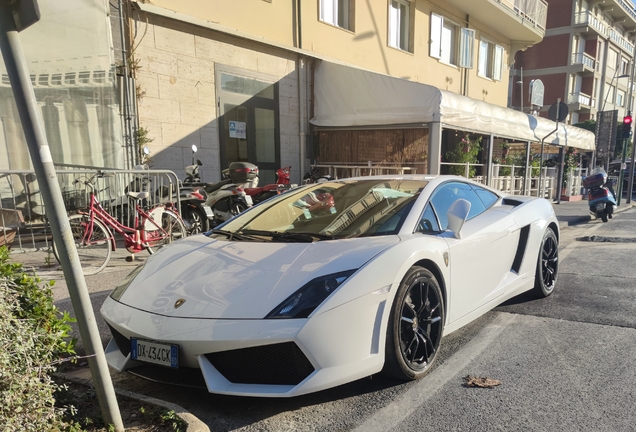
(226, 198)
(600, 197)
(259, 194)
(314, 176)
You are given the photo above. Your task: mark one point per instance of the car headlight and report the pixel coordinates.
(120, 289)
(310, 296)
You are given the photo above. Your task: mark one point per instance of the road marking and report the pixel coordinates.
(575, 243)
(388, 417)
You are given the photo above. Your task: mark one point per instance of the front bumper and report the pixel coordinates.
(270, 358)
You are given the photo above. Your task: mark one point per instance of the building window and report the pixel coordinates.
(624, 66)
(337, 12)
(620, 98)
(400, 24)
(490, 60)
(612, 59)
(451, 43)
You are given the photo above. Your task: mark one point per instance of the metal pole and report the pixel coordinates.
(32, 123)
(620, 176)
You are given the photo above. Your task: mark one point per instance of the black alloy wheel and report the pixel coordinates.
(415, 327)
(548, 265)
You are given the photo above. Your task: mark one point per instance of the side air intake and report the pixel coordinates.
(521, 249)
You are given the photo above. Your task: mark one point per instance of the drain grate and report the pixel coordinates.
(602, 239)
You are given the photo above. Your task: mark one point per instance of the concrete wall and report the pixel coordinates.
(176, 81)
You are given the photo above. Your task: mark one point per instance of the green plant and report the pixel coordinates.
(34, 335)
(569, 162)
(464, 151)
(142, 140)
(174, 420)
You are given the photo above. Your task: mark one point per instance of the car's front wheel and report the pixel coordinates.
(415, 326)
(547, 265)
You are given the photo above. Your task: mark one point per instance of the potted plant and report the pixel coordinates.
(465, 151)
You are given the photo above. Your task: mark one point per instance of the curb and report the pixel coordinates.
(588, 218)
(192, 422)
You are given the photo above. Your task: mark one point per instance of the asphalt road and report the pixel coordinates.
(565, 362)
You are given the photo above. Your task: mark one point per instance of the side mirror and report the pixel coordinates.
(194, 148)
(146, 150)
(457, 214)
(199, 162)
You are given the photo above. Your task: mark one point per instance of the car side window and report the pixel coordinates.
(446, 194)
(428, 223)
(486, 197)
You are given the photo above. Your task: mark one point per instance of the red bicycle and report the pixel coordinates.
(95, 242)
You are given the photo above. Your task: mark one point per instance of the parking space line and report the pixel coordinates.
(397, 411)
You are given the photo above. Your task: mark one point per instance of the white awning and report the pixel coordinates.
(348, 97)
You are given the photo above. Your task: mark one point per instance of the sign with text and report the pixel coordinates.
(237, 130)
(605, 133)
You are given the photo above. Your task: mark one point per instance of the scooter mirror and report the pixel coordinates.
(146, 150)
(194, 148)
(199, 162)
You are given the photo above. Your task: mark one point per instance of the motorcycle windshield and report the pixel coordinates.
(329, 210)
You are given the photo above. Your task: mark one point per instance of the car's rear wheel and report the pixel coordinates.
(547, 265)
(415, 326)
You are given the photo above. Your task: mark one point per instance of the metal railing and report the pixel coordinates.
(533, 11)
(628, 7)
(621, 41)
(344, 170)
(591, 20)
(585, 59)
(581, 98)
(23, 223)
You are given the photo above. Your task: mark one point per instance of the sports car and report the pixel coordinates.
(331, 282)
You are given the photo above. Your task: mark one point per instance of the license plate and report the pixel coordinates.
(248, 200)
(153, 352)
(208, 211)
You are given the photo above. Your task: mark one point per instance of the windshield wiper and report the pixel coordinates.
(290, 235)
(232, 235)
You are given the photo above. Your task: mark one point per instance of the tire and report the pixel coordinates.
(198, 220)
(94, 254)
(604, 216)
(172, 225)
(547, 265)
(412, 344)
(237, 207)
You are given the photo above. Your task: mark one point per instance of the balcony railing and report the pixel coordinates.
(582, 99)
(534, 11)
(589, 19)
(621, 41)
(629, 8)
(585, 59)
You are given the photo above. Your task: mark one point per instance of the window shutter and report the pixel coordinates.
(498, 64)
(482, 68)
(467, 43)
(394, 24)
(436, 36)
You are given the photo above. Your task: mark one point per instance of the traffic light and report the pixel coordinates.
(627, 126)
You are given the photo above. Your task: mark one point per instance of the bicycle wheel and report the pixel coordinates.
(94, 252)
(173, 229)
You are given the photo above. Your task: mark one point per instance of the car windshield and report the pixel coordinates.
(325, 211)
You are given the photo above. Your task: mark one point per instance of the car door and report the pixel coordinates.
(481, 259)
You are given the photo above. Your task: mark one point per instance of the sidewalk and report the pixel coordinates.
(577, 212)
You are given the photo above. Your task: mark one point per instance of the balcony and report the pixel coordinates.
(580, 102)
(521, 21)
(586, 62)
(621, 41)
(590, 20)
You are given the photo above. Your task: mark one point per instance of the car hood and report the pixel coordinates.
(239, 280)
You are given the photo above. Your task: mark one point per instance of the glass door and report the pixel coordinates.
(249, 124)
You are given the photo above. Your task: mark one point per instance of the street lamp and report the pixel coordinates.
(612, 82)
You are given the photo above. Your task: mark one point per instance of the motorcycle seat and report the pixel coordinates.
(138, 195)
(258, 190)
(209, 188)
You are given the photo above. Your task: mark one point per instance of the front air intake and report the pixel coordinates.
(278, 364)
